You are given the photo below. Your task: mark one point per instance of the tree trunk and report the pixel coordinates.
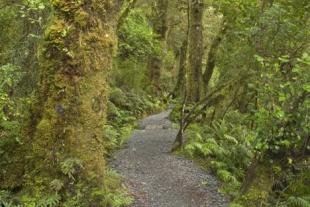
(160, 25)
(66, 131)
(212, 56)
(195, 50)
(180, 85)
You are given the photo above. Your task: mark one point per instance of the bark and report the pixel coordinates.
(211, 99)
(212, 56)
(161, 20)
(154, 65)
(180, 85)
(195, 49)
(250, 174)
(178, 142)
(68, 118)
(160, 25)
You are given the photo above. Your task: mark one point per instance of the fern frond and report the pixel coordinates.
(50, 201)
(226, 176)
(298, 202)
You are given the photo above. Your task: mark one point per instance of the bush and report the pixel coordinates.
(227, 145)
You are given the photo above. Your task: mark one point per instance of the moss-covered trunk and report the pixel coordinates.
(181, 81)
(212, 55)
(160, 26)
(67, 143)
(195, 50)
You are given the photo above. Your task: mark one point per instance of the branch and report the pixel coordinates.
(210, 95)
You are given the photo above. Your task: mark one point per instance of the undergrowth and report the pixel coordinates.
(124, 109)
(227, 147)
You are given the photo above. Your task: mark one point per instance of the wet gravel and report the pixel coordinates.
(155, 178)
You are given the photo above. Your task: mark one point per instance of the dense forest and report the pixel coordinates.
(76, 76)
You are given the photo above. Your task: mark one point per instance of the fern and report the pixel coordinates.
(56, 185)
(226, 176)
(218, 165)
(298, 202)
(69, 167)
(231, 139)
(50, 201)
(8, 204)
(5, 198)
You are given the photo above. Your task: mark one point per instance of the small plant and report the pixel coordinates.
(298, 202)
(228, 148)
(57, 185)
(49, 201)
(70, 167)
(6, 200)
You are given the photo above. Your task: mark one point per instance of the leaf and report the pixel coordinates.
(231, 139)
(306, 87)
(298, 202)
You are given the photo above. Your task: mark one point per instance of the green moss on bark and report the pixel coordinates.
(70, 113)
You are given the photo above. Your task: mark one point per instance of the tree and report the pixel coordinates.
(160, 25)
(212, 55)
(66, 129)
(195, 50)
(180, 86)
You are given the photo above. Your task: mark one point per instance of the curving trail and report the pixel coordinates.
(158, 179)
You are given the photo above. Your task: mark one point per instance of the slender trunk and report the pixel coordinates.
(160, 25)
(250, 174)
(178, 142)
(195, 49)
(154, 65)
(180, 85)
(67, 142)
(212, 56)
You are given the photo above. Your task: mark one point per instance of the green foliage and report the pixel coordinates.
(49, 201)
(10, 115)
(227, 147)
(124, 109)
(5, 199)
(126, 106)
(283, 125)
(235, 205)
(136, 37)
(298, 202)
(115, 195)
(70, 167)
(56, 185)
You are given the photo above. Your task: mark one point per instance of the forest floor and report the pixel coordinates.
(157, 178)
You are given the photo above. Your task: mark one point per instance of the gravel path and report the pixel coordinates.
(158, 179)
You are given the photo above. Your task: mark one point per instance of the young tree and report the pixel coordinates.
(212, 55)
(195, 50)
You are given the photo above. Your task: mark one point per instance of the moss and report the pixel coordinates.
(71, 110)
(81, 18)
(260, 189)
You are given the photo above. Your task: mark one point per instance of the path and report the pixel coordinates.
(158, 179)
